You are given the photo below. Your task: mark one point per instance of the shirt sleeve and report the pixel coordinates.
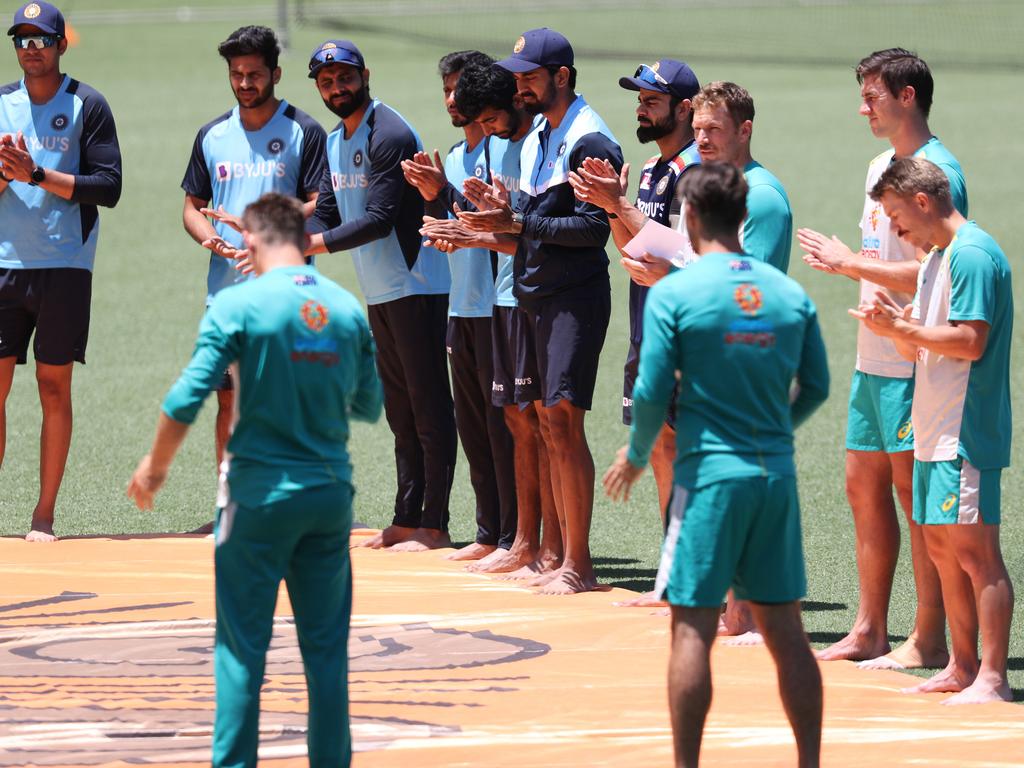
(197, 181)
(588, 225)
(972, 295)
(660, 356)
(384, 191)
(767, 230)
(812, 377)
(99, 180)
(314, 158)
(326, 216)
(369, 397)
(216, 348)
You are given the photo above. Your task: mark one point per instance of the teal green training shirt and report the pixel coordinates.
(767, 232)
(738, 332)
(305, 366)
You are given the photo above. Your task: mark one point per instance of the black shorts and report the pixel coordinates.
(515, 381)
(54, 303)
(629, 374)
(569, 332)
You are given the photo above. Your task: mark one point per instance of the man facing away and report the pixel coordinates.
(737, 332)
(303, 363)
(896, 96)
(59, 161)
(263, 144)
(958, 331)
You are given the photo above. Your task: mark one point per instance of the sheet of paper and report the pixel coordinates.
(661, 241)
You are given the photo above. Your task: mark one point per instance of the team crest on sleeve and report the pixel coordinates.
(662, 185)
(517, 48)
(479, 171)
(32, 10)
(275, 146)
(357, 158)
(748, 297)
(59, 122)
(314, 315)
(561, 149)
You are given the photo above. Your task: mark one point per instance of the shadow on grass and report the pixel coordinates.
(1017, 693)
(1015, 663)
(598, 561)
(816, 605)
(835, 637)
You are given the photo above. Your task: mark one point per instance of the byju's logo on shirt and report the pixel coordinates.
(341, 181)
(266, 170)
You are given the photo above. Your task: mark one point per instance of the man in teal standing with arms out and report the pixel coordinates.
(738, 333)
(303, 363)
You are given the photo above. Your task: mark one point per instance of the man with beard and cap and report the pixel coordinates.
(486, 439)
(664, 116)
(263, 144)
(561, 276)
(366, 207)
(59, 162)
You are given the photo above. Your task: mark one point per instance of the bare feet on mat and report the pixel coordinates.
(472, 551)
(390, 536)
(422, 540)
(984, 690)
(950, 680)
(746, 639)
(531, 571)
(41, 531)
(567, 581)
(646, 600)
(910, 655)
(856, 646)
(503, 561)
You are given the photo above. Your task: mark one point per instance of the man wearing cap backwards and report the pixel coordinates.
(664, 114)
(59, 161)
(741, 334)
(263, 144)
(366, 207)
(561, 276)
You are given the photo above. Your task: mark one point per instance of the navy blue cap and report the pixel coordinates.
(40, 15)
(665, 76)
(538, 48)
(335, 52)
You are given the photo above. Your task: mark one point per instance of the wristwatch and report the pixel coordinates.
(38, 176)
(517, 221)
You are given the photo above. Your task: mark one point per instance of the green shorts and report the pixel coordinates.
(955, 493)
(742, 533)
(879, 414)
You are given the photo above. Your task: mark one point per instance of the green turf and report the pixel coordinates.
(164, 80)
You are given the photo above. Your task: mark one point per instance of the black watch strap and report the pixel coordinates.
(38, 176)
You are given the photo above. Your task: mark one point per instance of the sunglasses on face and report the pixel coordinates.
(648, 75)
(35, 41)
(333, 56)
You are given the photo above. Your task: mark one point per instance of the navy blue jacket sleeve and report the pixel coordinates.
(98, 181)
(588, 226)
(390, 143)
(314, 155)
(326, 216)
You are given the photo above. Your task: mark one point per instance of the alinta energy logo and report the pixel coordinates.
(142, 692)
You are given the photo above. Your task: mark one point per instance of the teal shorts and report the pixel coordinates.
(742, 533)
(879, 414)
(955, 493)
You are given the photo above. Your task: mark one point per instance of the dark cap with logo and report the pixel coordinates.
(665, 76)
(40, 15)
(335, 52)
(538, 48)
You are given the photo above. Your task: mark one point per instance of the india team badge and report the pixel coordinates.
(59, 122)
(275, 146)
(518, 47)
(31, 11)
(357, 158)
(662, 185)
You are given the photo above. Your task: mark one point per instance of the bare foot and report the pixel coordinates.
(45, 536)
(568, 582)
(646, 600)
(736, 619)
(856, 646)
(545, 578)
(423, 539)
(745, 640)
(390, 536)
(472, 551)
(530, 571)
(949, 680)
(910, 655)
(984, 690)
(502, 561)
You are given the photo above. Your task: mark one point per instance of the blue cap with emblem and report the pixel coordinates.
(665, 76)
(40, 15)
(335, 52)
(538, 48)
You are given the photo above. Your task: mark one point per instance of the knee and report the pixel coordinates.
(54, 394)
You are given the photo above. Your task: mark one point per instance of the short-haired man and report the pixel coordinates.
(59, 161)
(302, 354)
(958, 331)
(896, 95)
(738, 332)
(263, 144)
(664, 113)
(488, 96)
(486, 439)
(366, 207)
(561, 276)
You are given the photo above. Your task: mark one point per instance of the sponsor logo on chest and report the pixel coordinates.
(268, 169)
